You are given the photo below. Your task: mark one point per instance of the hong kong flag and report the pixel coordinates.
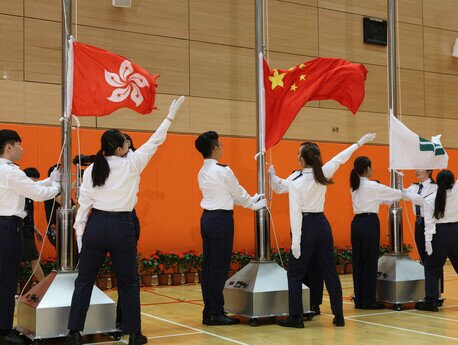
(104, 82)
(287, 91)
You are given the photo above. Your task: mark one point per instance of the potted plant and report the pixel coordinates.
(162, 267)
(48, 265)
(199, 259)
(340, 267)
(148, 267)
(189, 264)
(383, 249)
(25, 271)
(346, 255)
(407, 248)
(102, 277)
(176, 263)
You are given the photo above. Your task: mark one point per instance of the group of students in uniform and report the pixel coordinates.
(105, 223)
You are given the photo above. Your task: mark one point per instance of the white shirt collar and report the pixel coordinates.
(210, 161)
(425, 183)
(5, 161)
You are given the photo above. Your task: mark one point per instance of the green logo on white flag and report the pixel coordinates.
(426, 145)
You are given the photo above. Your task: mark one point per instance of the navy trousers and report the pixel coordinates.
(314, 281)
(114, 233)
(217, 230)
(316, 243)
(445, 244)
(365, 241)
(10, 256)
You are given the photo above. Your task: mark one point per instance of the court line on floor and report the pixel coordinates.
(394, 327)
(156, 337)
(412, 312)
(194, 329)
(373, 314)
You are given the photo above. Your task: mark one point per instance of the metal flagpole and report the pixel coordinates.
(400, 279)
(43, 311)
(260, 289)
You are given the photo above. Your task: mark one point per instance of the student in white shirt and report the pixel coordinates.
(15, 186)
(441, 236)
(367, 196)
(310, 230)
(417, 193)
(104, 224)
(220, 192)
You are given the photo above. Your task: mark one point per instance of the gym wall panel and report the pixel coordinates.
(130, 120)
(219, 71)
(11, 47)
(224, 116)
(438, 46)
(374, 8)
(302, 2)
(154, 17)
(223, 22)
(441, 95)
(12, 101)
(441, 14)
(292, 28)
(410, 49)
(13, 7)
(410, 11)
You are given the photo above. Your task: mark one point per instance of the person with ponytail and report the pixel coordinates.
(104, 224)
(441, 236)
(310, 230)
(366, 197)
(417, 193)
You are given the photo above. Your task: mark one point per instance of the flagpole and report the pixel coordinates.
(262, 227)
(65, 237)
(395, 213)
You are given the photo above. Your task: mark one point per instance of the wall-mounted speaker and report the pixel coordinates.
(121, 3)
(374, 31)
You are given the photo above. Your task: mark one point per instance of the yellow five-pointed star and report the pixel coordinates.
(293, 87)
(277, 79)
(301, 66)
(302, 77)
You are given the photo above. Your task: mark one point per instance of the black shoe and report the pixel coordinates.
(220, 320)
(11, 338)
(427, 306)
(137, 339)
(73, 339)
(373, 306)
(316, 309)
(339, 320)
(292, 321)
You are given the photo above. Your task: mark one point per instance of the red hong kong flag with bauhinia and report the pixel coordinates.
(104, 82)
(287, 91)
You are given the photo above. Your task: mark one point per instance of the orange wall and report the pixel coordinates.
(169, 197)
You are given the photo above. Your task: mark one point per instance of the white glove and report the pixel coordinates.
(429, 248)
(272, 171)
(366, 138)
(258, 205)
(255, 198)
(174, 106)
(79, 243)
(296, 250)
(55, 175)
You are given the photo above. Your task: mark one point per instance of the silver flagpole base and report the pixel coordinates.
(260, 289)
(44, 310)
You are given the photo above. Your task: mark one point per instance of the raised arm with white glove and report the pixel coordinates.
(258, 205)
(366, 139)
(174, 106)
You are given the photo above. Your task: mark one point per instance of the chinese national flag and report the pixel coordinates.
(287, 91)
(104, 82)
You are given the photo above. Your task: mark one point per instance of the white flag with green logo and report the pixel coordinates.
(409, 151)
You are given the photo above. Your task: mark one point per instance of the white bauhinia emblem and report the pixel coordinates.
(126, 83)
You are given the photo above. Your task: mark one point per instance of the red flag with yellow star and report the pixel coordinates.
(287, 91)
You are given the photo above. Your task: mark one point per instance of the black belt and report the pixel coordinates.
(219, 211)
(312, 213)
(366, 214)
(16, 218)
(110, 213)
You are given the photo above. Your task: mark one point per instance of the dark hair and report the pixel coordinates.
(110, 141)
(32, 172)
(445, 181)
(206, 142)
(360, 165)
(7, 136)
(431, 176)
(310, 152)
(132, 147)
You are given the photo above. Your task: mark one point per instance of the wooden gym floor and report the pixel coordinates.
(173, 315)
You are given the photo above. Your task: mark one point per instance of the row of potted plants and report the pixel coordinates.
(176, 265)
